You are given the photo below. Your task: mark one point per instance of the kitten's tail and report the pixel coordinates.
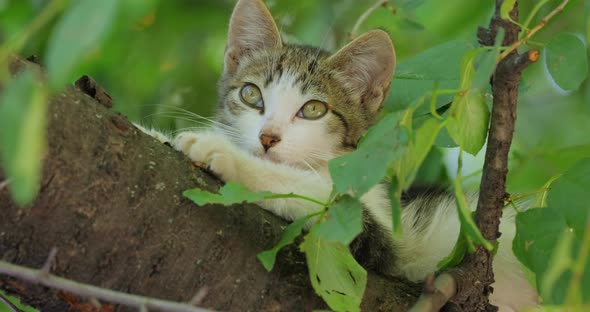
(431, 227)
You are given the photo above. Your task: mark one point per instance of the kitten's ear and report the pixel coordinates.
(251, 28)
(366, 65)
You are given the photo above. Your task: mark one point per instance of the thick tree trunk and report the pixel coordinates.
(111, 202)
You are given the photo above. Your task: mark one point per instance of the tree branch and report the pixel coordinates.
(111, 202)
(89, 291)
(474, 275)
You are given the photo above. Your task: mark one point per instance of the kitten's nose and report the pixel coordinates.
(268, 141)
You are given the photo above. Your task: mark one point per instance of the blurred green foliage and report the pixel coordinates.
(161, 55)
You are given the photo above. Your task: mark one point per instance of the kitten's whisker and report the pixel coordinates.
(187, 113)
(312, 169)
(201, 122)
(325, 38)
(229, 134)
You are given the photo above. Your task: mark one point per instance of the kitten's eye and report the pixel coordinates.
(251, 95)
(313, 110)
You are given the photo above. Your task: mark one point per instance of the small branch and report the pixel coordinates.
(200, 296)
(89, 291)
(436, 293)
(46, 269)
(533, 31)
(365, 15)
(4, 184)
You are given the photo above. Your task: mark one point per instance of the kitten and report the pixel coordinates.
(285, 110)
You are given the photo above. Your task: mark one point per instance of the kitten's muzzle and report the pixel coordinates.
(268, 141)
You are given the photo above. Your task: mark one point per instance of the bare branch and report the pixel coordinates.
(89, 291)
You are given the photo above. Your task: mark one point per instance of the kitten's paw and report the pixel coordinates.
(212, 149)
(185, 140)
(162, 137)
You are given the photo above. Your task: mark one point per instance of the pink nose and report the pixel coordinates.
(269, 140)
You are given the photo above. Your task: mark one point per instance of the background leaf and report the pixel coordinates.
(571, 193)
(566, 61)
(415, 76)
(80, 30)
(551, 241)
(23, 109)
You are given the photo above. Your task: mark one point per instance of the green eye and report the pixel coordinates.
(251, 96)
(313, 110)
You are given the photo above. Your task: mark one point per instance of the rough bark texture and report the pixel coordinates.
(111, 202)
(474, 276)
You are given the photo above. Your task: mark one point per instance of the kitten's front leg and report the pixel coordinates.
(212, 149)
(232, 164)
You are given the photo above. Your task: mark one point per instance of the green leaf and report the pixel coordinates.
(570, 193)
(565, 58)
(541, 198)
(382, 144)
(415, 76)
(468, 120)
(334, 273)
(505, 9)
(409, 24)
(554, 244)
(468, 226)
(231, 193)
(456, 255)
(78, 33)
(289, 235)
(547, 246)
(537, 233)
(423, 139)
(16, 302)
(137, 9)
(23, 111)
(559, 264)
(395, 192)
(343, 222)
(485, 62)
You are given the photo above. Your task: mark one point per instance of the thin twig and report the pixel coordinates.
(89, 291)
(200, 296)
(533, 31)
(49, 262)
(365, 15)
(4, 184)
(436, 293)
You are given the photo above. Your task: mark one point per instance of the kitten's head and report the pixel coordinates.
(298, 104)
